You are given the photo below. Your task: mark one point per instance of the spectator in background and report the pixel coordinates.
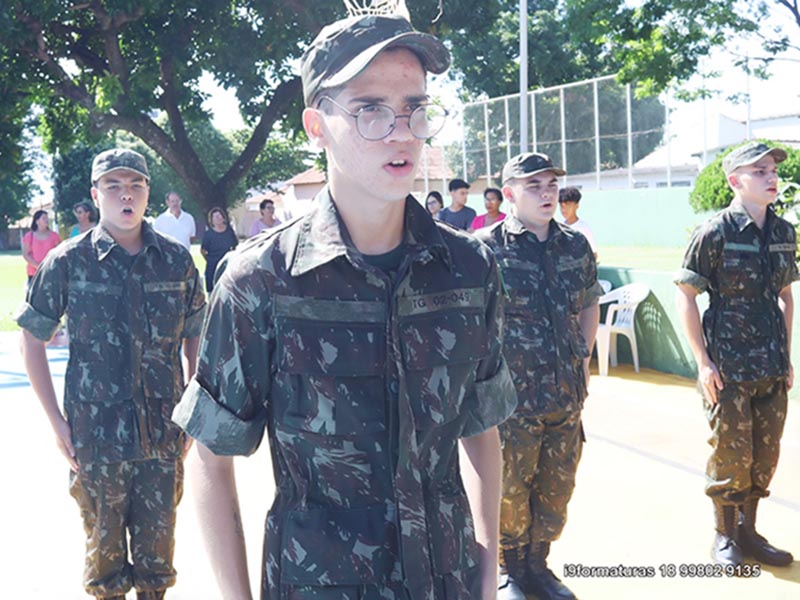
(568, 200)
(434, 203)
(38, 241)
(492, 199)
(267, 220)
(458, 214)
(175, 222)
(85, 214)
(218, 239)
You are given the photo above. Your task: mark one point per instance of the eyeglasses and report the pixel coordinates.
(376, 121)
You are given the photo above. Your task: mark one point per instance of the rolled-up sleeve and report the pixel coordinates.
(495, 398)
(46, 300)
(225, 405)
(699, 261)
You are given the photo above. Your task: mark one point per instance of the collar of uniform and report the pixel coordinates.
(103, 242)
(515, 227)
(742, 218)
(324, 237)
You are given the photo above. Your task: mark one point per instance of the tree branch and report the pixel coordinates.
(284, 94)
(64, 82)
(109, 27)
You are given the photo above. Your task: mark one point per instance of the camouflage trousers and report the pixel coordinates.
(464, 585)
(746, 429)
(540, 459)
(136, 500)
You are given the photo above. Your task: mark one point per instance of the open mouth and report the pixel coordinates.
(127, 210)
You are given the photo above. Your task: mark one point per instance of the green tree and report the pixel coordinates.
(16, 184)
(712, 192)
(103, 66)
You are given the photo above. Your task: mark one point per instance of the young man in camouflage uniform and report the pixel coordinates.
(131, 297)
(364, 338)
(744, 257)
(551, 321)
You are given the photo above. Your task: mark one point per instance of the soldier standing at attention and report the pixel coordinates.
(364, 339)
(551, 321)
(744, 257)
(131, 297)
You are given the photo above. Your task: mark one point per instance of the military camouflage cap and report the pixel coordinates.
(116, 159)
(343, 49)
(529, 164)
(749, 154)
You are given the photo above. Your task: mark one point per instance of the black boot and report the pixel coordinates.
(756, 545)
(512, 574)
(726, 550)
(541, 580)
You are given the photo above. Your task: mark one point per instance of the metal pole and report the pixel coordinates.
(488, 145)
(668, 139)
(533, 120)
(464, 145)
(562, 112)
(508, 131)
(630, 133)
(523, 76)
(596, 135)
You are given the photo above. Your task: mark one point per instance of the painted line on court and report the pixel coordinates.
(791, 505)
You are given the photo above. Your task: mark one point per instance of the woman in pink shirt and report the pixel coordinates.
(38, 242)
(492, 199)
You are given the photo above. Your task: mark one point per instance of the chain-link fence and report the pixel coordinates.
(596, 129)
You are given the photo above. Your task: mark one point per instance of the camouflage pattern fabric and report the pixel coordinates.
(126, 318)
(743, 271)
(364, 383)
(548, 284)
(132, 497)
(743, 274)
(540, 460)
(746, 425)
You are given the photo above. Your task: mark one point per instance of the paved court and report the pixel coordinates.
(638, 503)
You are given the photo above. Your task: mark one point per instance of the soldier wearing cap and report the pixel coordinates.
(132, 297)
(550, 275)
(744, 257)
(364, 339)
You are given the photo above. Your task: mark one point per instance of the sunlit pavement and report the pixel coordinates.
(639, 500)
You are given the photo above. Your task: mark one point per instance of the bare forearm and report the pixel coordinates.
(190, 346)
(35, 358)
(481, 470)
(786, 304)
(588, 320)
(214, 486)
(692, 327)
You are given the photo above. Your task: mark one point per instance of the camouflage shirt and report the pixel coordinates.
(364, 383)
(743, 269)
(126, 316)
(548, 283)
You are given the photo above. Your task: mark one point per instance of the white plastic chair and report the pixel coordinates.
(605, 284)
(620, 320)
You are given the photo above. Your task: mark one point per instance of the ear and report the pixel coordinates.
(508, 193)
(733, 181)
(314, 126)
(93, 191)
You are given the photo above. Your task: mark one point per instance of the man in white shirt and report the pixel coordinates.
(175, 222)
(568, 201)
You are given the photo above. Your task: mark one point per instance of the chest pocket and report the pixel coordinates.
(440, 355)
(741, 272)
(165, 310)
(330, 371)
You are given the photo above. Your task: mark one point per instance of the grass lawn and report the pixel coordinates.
(12, 287)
